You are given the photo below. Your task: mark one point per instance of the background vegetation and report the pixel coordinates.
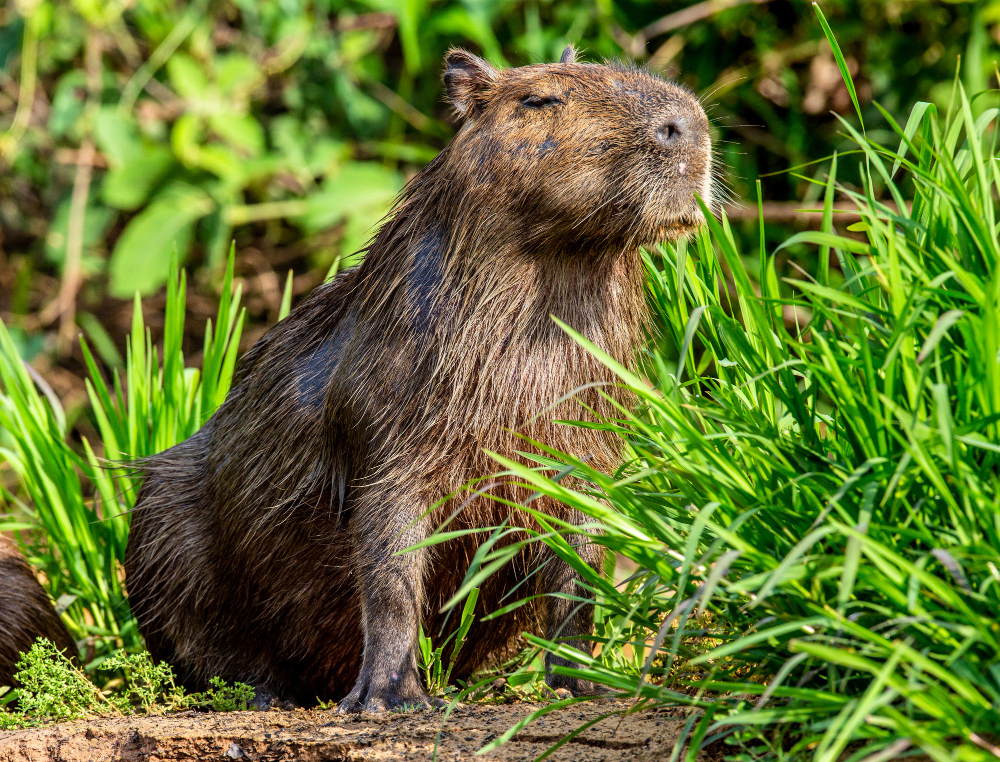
(131, 127)
(812, 502)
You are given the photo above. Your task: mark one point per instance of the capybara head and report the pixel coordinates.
(576, 153)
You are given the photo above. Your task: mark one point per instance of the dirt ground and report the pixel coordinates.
(315, 736)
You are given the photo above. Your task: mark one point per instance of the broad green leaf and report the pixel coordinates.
(236, 75)
(187, 77)
(97, 219)
(364, 189)
(240, 130)
(128, 186)
(115, 136)
(141, 259)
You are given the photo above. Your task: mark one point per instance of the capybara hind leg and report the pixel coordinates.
(264, 698)
(571, 621)
(391, 588)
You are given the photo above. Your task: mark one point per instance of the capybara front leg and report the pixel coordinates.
(390, 586)
(571, 621)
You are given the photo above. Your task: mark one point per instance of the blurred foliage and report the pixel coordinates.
(131, 128)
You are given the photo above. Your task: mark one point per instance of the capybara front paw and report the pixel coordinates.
(350, 705)
(386, 701)
(392, 696)
(565, 687)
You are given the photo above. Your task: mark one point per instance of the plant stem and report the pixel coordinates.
(26, 88)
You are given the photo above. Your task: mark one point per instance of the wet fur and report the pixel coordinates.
(26, 612)
(263, 549)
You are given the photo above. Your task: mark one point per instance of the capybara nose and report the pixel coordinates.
(672, 130)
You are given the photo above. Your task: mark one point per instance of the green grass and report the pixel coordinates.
(437, 670)
(69, 501)
(813, 504)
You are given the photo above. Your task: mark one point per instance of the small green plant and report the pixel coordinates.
(149, 688)
(437, 676)
(52, 690)
(222, 697)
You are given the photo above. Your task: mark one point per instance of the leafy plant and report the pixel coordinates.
(149, 688)
(222, 697)
(52, 689)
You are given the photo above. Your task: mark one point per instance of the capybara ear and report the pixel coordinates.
(568, 55)
(467, 78)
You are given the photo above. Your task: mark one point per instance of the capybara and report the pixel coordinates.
(267, 547)
(26, 612)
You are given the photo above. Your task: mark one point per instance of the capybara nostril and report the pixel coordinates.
(671, 131)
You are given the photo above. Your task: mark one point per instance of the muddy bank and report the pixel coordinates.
(317, 735)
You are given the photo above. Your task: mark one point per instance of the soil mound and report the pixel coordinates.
(316, 735)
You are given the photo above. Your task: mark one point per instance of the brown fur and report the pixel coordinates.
(26, 612)
(265, 547)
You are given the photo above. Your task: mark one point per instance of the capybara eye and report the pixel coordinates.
(541, 101)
